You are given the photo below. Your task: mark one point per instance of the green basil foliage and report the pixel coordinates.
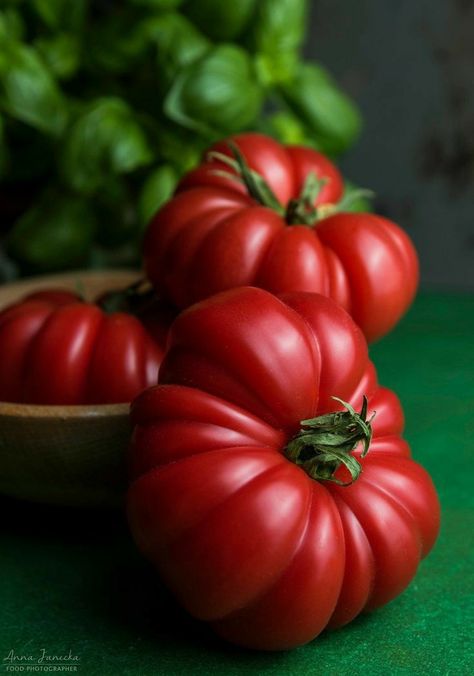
(105, 104)
(329, 115)
(276, 35)
(157, 4)
(60, 53)
(178, 44)
(56, 233)
(221, 21)
(104, 139)
(156, 190)
(28, 91)
(11, 25)
(217, 95)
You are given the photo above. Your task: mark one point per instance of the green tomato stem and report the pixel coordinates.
(300, 210)
(256, 185)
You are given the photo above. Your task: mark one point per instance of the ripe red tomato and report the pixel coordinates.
(238, 510)
(217, 233)
(57, 349)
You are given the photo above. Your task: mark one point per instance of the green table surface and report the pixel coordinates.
(71, 580)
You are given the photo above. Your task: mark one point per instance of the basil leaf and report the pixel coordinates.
(50, 11)
(156, 190)
(313, 96)
(179, 147)
(218, 95)
(28, 92)
(61, 13)
(115, 45)
(221, 21)
(54, 234)
(61, 53)
(278, 25)
(178, 44)
(12, 26)
(157, 4)
(106, 139)
(276, 34)
(287, 128)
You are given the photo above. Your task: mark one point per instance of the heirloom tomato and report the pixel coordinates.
(252, 491)
(57, 349)
(260, 213)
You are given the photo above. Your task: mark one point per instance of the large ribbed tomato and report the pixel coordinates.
(57, 349)
(237, 509)
(218, 233)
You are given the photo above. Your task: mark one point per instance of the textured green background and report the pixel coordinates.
(72, 580)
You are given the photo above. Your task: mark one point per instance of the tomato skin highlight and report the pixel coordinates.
(244, 538)
(223, 238)
(57, 349)
(381, 266)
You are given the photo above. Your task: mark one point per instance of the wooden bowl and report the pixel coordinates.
(68, 455)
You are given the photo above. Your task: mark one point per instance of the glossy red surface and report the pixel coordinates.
(246, 539)
(56, 349)
(213, 236)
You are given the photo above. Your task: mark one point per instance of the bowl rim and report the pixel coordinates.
(45, 411)
(68, 278)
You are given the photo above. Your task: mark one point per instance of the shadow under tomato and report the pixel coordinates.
(110, 587)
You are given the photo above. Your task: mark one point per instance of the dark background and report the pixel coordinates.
(410, 67)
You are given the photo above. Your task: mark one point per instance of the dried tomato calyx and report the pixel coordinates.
(325, 443)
